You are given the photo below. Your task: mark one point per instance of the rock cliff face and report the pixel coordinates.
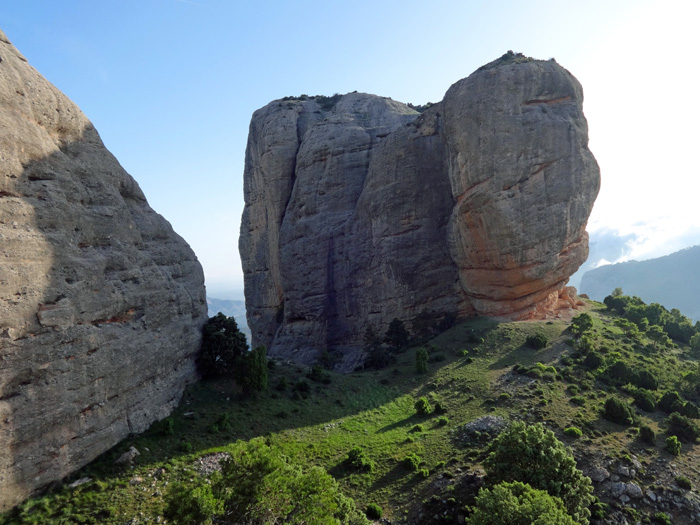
(359, 209)
(101, 303)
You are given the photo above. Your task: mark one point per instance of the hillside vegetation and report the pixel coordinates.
(670, 280)
(415, 441)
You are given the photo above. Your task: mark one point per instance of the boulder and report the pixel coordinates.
(360, 209)
(101, 302)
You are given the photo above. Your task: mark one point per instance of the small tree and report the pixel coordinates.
(581, 323)
(695, 341)
(658, 336)
(255, 370)
(533, 455)
(517, 504)
(396, 336)
(421, 361)
(422, 406)
(223, 344)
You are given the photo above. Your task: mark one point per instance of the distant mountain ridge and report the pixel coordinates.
(231, 308)
(672, 280)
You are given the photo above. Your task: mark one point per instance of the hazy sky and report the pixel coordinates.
(171, 86)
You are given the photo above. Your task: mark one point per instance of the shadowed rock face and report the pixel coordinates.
(101, 303)
(360, 210)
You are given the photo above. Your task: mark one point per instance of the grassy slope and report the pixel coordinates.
(375, 410)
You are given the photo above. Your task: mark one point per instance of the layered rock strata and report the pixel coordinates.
(360, 209)
(101, 303)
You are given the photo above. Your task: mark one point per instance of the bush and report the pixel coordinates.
(684, 483)
(259, 485)
(690, 410)
(618, 411)
(254, 370)
(647, 435)
(192, 505)
(421, 361)
(645, 399)
(412, 461)
(581, 323)
(573, 432)
(673, 446)
(223, 345)
(667, 401)
(373, 511)
(517, 504)
(536, 341)
(423, 407)
(683, 427)
(358, 459)
(662, 518)
(443, 420)
(593, 360)
(533, 455)
(396, 336)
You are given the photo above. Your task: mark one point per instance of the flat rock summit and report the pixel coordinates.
(360, 209)
(101, 303)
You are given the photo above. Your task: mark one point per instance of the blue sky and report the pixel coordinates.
(171, 86)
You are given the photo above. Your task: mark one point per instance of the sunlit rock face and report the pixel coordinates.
(359, 209)
(101, 303)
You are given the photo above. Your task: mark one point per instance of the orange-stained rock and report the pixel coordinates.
(360, 209)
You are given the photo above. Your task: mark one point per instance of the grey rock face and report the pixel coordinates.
(360, 210)
(101, 303)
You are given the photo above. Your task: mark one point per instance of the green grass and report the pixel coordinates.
(375, 410)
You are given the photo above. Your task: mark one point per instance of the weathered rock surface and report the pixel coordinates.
(101, 303)
(359, 209)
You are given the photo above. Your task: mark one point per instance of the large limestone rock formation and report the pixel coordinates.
(101, 303)
(360, 209)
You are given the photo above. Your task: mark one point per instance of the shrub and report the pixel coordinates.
(645, 399)
(667, 401)
(573, 432)
(662, 518)
(318, 375)
(618, 411)
(517, 504)
(690, 410)
(192, 505)
(423, 407)
(532, 454)
(373, 511)
(443, 420)
(358, 459)
(683, 427)
(536, 341)
(254, 370)
(259, 485)
(396, 336)
(581, 323)
(646, 379)
(578, 400)
(424, 473)
(421, 361)
(417, 428)
(412, 461)
(673, 446)
(647, 435)
(684, 483)
(593, 360)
